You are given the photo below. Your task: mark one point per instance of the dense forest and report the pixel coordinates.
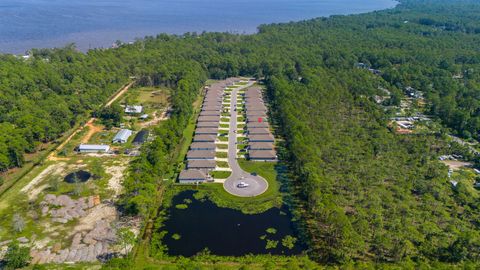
(363, 192)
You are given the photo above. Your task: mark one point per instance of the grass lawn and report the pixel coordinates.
(223, 138)
(224, 125)
(225, 114)
(240, 126)
(221, 155)
(222, 146)
(223, 133)
(222, 164)
(220, 174)
(241, 139)
(241, 119)
(224, 119)
(241, 146)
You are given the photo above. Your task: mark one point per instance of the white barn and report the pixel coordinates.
(134, 109)
(122, 136)
(93, 148)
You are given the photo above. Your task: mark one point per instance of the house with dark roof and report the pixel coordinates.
(260, 146)
(206, 165)
(192, 176)
(200, 154)
(204, 138)
(141, 137)
(206, 131)
(258, 131)
(256, 107)
(210, 113)
(256, 119)
(262, 155)
(208, 124)
(203, 146)
(209, 118)
(261, 138)
(257, 125)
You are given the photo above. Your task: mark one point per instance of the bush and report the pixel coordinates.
(17, 256)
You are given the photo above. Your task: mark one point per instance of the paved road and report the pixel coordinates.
(257, 185)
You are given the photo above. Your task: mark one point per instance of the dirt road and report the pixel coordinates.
(89, 122)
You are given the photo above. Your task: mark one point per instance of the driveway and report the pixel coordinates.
(257, 185)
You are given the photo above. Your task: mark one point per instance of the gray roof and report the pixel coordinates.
(204, 138)
(256, 107)
(201, 164)
(260, 146)
(262, 154)
(201, 154)
(212, 108)
(210, 113)
(207, 118)
(210, 131)
(254, 118)
(258, 131)
(256, 114)
(203, 145)
(207, 124)
(257, 125)
(192, 175)
(261, 138)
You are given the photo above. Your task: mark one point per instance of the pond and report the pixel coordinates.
(81, 176)
(226, 232)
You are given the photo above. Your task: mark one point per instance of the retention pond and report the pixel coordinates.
(196, 225)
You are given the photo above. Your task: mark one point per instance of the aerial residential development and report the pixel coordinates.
(225, 135)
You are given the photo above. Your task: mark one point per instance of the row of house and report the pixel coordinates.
(201, 156)
(260, 139)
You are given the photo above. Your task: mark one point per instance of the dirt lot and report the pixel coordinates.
(455, 164)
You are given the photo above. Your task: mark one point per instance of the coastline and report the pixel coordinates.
(104, 37)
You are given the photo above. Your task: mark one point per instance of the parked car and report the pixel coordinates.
(243, 185)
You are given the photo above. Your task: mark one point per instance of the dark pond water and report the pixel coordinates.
(225, 231)
(82, 176)
(26, 24)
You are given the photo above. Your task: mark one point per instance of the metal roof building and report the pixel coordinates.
(93, 148)
(122, 136)
(133, 109)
